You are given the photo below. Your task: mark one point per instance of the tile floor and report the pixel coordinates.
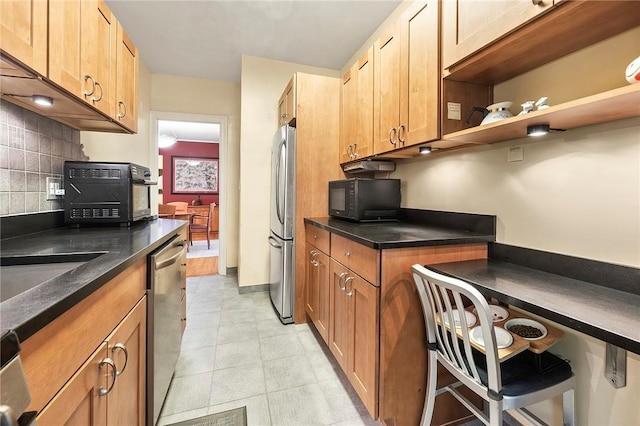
(235, 352)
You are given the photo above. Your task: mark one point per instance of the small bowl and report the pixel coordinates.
(528, 322)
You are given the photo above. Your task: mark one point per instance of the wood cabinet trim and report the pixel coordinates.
(53, 354)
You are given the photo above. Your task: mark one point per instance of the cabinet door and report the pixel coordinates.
(23, 32)
(127, 349)
(362, 360)
(469, 25)
(387, 91)
(420, 74)
(348, 114)
(98, 29)
(79, 402)
(282, 109)
(317, 297)
(338, 314)
(126, 81)
(65, 66)
(364, 106)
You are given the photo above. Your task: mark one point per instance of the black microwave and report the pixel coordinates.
(103, 193)
(364, 200)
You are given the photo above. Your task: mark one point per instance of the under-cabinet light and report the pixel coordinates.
(42, 100)
(425, 149)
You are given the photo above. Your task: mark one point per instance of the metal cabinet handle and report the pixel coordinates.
(126, 356)
(347, 254)
(346, 285)
(123, 114)
(340, 281)
(400, 139)
(315, 237)
(108, 361)
(312, 257)
(93, 85)
(538, 2)
(391, 132)
(355, 150)
(100, 98)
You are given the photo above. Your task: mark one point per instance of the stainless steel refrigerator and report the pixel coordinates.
(281, 239)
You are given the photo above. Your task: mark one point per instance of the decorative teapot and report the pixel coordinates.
(494, 112)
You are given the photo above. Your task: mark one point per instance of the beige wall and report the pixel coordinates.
(576, 192)
(168, 93)
(262, 82)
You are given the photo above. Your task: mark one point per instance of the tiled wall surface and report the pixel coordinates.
(32, 148)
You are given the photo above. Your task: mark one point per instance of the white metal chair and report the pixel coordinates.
(523, 380)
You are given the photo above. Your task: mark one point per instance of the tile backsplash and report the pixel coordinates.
(32, 148)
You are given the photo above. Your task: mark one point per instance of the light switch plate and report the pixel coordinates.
(55, 191)
(515, 153)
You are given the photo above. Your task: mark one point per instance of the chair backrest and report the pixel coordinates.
(212, 206)
(442, 297)
(167, 209)
(181, 206)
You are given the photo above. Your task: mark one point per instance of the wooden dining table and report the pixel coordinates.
(188, 216)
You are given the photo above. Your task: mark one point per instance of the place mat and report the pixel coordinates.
(235, 417)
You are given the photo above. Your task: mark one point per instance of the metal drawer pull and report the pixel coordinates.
(346, 284)
(392, 131)
(123, 114)
(126, 356)
(347, 254)
(538, 2)
(402, 141)
(340, 281)
(93, 85)
(312, 257)
(100, 98)
(102, 391)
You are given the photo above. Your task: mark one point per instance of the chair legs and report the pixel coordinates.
(568, 408)
(430, 393)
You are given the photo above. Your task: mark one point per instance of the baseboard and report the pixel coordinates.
(253, 288)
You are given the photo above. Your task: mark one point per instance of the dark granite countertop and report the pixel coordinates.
(28, 312)
(604, 312)
(407, 232)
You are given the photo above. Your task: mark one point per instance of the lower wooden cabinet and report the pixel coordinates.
(317, 290)
(109, 388)
(354, 331)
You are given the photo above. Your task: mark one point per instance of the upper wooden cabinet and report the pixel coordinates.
(98, 59)
(287, 104)
(126, 81)
(356, 112)
(407, 80)
(91, 73)
(471, 24)
(23, 32)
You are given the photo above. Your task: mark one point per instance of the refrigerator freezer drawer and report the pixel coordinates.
(282, 272)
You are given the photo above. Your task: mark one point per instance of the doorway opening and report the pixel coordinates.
(191, 150)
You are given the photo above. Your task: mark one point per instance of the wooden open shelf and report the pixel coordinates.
(612, 105)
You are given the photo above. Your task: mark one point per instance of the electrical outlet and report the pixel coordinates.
(55, 191)
(453, 111)
(515, 153)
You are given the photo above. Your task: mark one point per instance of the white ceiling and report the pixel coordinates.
(206, 38)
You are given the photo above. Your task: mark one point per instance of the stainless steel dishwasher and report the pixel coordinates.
(167, 277)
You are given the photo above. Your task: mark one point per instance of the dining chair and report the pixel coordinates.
(202, 227)
(167, 210)
(514, 384)
(181, 206)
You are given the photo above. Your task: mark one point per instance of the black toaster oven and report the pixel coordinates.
(103, 192)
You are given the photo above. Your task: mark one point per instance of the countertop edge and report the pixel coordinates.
(40, 319)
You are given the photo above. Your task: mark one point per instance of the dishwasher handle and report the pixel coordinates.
(159, 264)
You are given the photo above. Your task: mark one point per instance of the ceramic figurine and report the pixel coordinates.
(542, 103)
(527, 107)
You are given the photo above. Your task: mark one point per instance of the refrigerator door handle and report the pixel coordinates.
(274, 243)
(278, 170)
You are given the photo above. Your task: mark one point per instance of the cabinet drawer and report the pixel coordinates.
(319, 238)
(363, 260)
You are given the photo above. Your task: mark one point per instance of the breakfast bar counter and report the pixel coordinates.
(594, 298)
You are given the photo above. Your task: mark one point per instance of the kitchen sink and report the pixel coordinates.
(21, 273)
